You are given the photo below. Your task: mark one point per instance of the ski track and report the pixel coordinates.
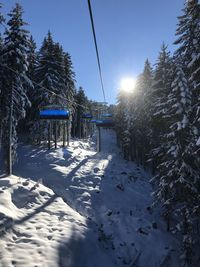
(96, 215)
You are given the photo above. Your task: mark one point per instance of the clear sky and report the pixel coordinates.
(128, 32)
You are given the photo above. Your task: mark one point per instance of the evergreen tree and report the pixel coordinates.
(46, 92)
(56, 84)
(69, 85)
(32, 58)
(14, 59)
(178, 177)
(188, 42)
(1, 88)
(25, 124)
(82, 104)
(1, 73)
(142, 113)
(189, 48)
(2, 19)
(69, 80)
(123, 122)
(159, 95)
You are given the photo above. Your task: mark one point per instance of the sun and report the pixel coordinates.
(127, 85)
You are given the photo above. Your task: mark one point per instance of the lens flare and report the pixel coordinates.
(127, 85)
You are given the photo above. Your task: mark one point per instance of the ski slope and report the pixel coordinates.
(77, 208)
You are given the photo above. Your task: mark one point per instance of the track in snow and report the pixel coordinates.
(111, 193)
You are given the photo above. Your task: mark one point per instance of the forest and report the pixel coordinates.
(32, 79)
(157, 124)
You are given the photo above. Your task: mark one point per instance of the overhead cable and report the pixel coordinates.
(96, 47)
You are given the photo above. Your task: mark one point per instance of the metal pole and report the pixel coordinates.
(68, 133)
(49, 135)
(99, 140)
(55, 134)
(64, 134)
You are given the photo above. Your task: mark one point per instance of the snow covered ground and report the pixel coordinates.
(77, 208)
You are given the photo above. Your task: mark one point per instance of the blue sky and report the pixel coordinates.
(128, 32)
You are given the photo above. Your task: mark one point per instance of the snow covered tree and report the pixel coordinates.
(46, 92)
(188, 42)
(178, 177)
(69, 87)
(1, 74)
(2, 19)
(142, 123)
(159, 95)
(188, 33)
(14, 79)
(121, 123)
(1, 88)
(69, 80)
(32, 58)
(132, 117)
(24, 125)
(82, 104)
(56, 83)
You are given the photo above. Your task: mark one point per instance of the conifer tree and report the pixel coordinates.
(142, 112)
(69, 80)
(14, 59)
(177, 174)
(46, 77)
(56, 82)
(188, 42)
(2, 20)
(82, 104)
(188, 33)
(159, 95)
(1, 88)
(123, 123)
(25, 124)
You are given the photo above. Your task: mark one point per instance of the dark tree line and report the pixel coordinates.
(158, 126)
(31, 79)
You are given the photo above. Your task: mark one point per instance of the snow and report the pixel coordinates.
(74, 207)
(198, 142)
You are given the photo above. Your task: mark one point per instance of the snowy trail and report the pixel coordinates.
(108, 222)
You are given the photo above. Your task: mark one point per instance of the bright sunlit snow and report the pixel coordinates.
(97, 212)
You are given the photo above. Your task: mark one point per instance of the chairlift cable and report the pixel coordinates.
(96, 47)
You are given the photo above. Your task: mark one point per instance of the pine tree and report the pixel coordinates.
(188, 42)
(142, 113)
(14, 59)
(25, 124)
(123, 122)
(69, 80)
(178, 177)
(1, 88)
(47, 79)
(69, 85)
(159, 95)
(2, 20)
(82, 104)
(189, 48)
(56, 83)
(32, 58)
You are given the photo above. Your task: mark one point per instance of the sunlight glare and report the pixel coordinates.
(127, 85)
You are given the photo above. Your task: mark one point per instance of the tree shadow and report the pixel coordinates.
(83, 250)
(9, 224)
(80, 250)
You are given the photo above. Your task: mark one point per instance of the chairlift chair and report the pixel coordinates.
(54, 112)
